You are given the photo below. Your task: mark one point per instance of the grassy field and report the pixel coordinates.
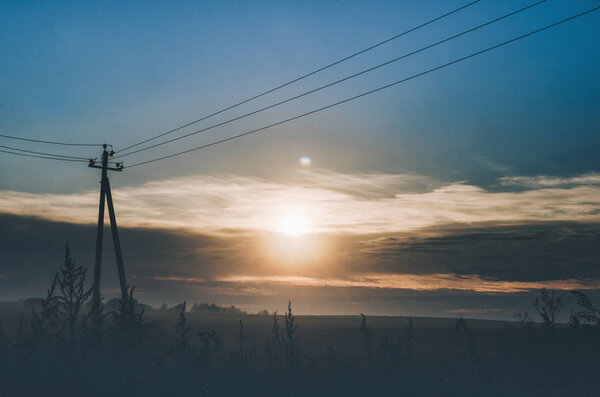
(220, 353)
(318, 334)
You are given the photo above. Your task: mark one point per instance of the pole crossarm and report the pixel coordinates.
(118, 168)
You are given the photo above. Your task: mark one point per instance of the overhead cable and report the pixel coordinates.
(49, 142)
(44, 153)
(370, 91)
(335, 82)
(43, 157)
(304, 75)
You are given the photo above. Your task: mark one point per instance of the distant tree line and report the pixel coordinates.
(204, 307)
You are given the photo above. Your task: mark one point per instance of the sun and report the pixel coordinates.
(294, 225)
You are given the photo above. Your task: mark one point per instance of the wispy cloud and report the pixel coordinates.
(415, 282)
(330, 202)
(542, 181)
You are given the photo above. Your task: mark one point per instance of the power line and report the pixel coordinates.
(49, 142)
(371, 91)
(305, 75)
(45, 154)
(43, 157)
(337, 81)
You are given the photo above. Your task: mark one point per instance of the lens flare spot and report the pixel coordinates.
(305, 161)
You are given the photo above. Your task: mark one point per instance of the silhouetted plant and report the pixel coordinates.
(523, 319)
(365, 334)
(130, 324)
(73, 295)
(291, 339)
(241, 342)
(410, 343)
(45, 325)
(589, 313)
(92, 326)
(22, 336)
(472, 349)
(548, 306)
(210, 343)
(181, 347)
(391, 348)
(574, 323)
(274, 346)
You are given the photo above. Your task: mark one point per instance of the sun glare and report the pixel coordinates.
(294, 225)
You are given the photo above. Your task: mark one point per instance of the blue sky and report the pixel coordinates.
(119, 73)
(469, 175)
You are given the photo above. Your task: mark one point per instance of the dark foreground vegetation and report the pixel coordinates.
(62, 347)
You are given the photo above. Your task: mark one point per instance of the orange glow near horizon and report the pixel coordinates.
(290, 252)
(427, 282)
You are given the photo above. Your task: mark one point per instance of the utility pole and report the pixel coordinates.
(106, 196)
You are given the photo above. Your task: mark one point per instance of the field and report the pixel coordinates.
(220, 353)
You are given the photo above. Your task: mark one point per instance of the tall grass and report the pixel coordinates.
(181, 347)
(549, 305)
(74, 294)
(365, 334)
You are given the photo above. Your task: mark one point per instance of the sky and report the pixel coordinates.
(463, 191)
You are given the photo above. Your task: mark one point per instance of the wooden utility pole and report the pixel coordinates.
(116, 243)
(106, 196)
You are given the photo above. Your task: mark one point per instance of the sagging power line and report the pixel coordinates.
(302, 77)
(49, 142)
(44, 157)
(337, 81)
(370, 91)
(44, 153)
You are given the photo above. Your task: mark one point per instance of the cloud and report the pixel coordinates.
(32, 250)
(330, 202)
(542, 181)
(377, 242)
(429, 282)
(526, 252)
(432, 273)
